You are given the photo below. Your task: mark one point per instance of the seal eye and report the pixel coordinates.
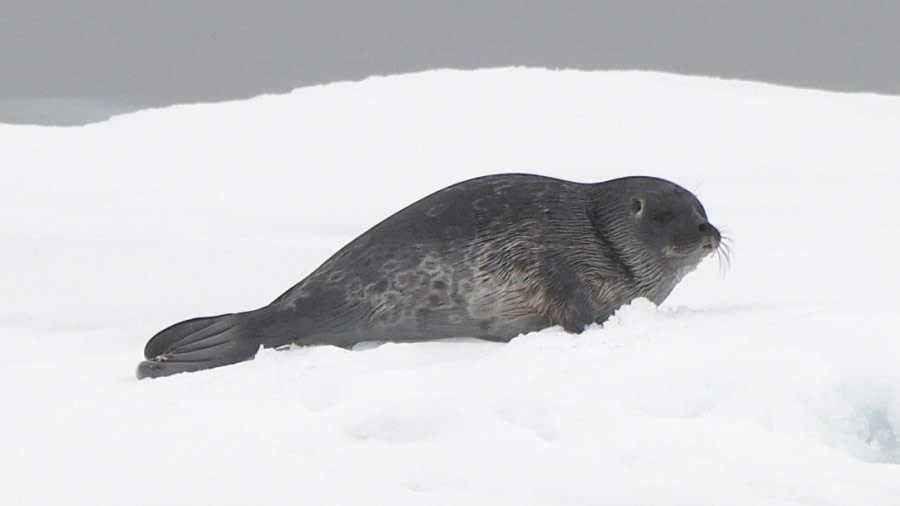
(663, 216)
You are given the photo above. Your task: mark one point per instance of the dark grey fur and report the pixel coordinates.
(492, 257)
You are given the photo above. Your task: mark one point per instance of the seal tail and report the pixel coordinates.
(200, 343)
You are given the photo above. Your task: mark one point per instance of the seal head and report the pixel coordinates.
(673, 223)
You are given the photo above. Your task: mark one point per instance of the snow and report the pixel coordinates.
(777, 382)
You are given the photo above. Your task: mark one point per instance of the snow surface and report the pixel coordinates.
(775, 383)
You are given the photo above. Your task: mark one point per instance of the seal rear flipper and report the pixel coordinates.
(201, 343)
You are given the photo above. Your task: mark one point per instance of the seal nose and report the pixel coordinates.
(706, 229)
(711, 235)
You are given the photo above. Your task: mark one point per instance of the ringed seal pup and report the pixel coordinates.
(491, 257)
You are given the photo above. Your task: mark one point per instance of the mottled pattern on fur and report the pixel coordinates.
(492, 257)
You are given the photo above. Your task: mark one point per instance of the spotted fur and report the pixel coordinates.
(491, 257)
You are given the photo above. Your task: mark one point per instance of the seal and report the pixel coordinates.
(491, 258)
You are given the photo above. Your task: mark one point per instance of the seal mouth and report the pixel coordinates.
(695, 252)
(709, 244)
(702, 248)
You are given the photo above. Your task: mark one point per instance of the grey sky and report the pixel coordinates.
(73, 61)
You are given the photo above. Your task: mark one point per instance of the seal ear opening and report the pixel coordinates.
(637, 206)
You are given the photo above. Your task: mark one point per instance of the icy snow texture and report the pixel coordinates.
(777, 383)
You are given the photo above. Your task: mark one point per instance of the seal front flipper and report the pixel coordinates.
(200, 343)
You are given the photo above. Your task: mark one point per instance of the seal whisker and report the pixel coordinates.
(724, 253)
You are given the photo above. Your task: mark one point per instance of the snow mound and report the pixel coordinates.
(775, 383)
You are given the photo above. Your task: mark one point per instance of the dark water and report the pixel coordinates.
(58, 111)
